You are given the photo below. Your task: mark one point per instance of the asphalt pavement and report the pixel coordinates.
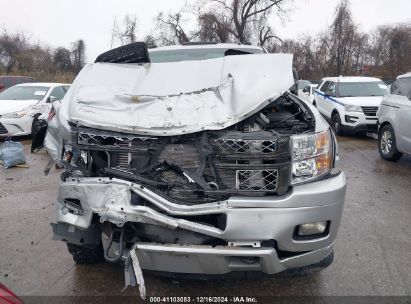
(372, 254)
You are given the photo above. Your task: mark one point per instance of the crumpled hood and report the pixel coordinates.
(365, 101)
(11, 106)
(177, 97)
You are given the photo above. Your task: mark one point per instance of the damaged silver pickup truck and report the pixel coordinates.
(196, 160)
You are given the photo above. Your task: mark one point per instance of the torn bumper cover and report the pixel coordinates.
(258, 234)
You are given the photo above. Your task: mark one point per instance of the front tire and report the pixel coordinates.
(336, 124)
(387, 144)
(86, 255)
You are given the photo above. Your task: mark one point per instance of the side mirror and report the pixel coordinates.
(307, 90)
(52, 99)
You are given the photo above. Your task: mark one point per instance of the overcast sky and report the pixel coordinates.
(58, 23)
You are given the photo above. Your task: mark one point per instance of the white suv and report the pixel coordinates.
(394, 120)
(350, 104)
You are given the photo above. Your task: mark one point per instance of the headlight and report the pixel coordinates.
(14, 115)
(351, 108)
(312, 156)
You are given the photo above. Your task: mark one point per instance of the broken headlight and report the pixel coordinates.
(312, 156)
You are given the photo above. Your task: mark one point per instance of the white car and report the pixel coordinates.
(308, 92)
(23, 103)
(350, 104)
(302, 84)
(394, 120)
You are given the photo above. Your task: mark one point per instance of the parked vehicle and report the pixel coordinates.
(22, 104)
(350, 104)
(394, 120)
(218, 170)
(308, 93)
(302, 84)
(9, 81)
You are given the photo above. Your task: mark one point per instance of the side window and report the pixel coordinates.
(58, 92)
(394, 88)
(324, 86)
(331, 88)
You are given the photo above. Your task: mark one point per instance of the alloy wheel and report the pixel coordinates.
(386, 142)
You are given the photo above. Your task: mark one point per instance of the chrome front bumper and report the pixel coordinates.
(222, 259)
(247, 220)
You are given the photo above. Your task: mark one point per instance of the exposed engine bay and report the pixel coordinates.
(249, 158)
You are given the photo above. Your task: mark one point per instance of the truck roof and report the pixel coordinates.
(207, 46)
(352, 79)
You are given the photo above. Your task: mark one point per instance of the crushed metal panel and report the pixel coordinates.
(151, 99)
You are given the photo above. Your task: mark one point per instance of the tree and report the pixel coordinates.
(13, 48)
(265, 32)
(62, 59)
(78, 52)
(214, 26)
(388, 50)
(242, 21)
(126, 34)
(243, 13)
(170, 29)
(150, 41)
(399, 49)
(342, 35)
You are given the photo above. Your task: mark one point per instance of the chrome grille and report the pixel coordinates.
(3, 129)
(370, 111)
(249, 180)
(227, 145)
(90, 139)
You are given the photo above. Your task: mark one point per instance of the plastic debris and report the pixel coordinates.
(12, 154)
